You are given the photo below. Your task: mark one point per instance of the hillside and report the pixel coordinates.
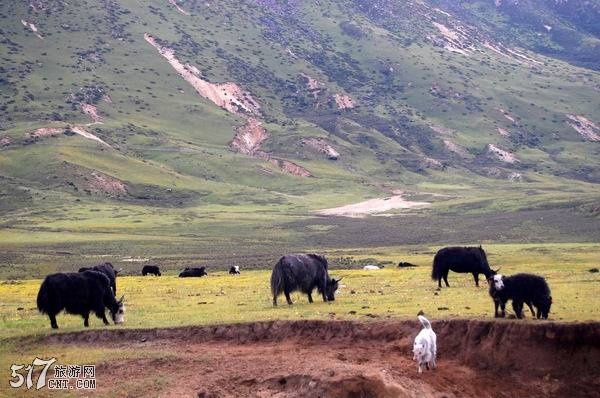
(225, 126)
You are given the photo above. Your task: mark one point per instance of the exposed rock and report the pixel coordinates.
(452, 40)
(320, 145)
(45, 131)
(372, 206)
(181, 10)
(92, 112)
(313, 85)
(503, 132)
(501, 154)
(441, 130)
(248, 138)
(226, 95)
(452, 147)
(291, 167)
(343, 101)
(32, 27)
(52, 131)
(585, 127)
(5, 141)
(507, 115)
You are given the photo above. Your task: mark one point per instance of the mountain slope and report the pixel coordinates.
(181, 111)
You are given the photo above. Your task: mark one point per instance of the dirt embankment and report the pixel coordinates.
(476, 358)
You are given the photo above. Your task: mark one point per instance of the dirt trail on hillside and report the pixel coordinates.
(476, 358)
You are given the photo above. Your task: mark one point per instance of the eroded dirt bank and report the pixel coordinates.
(476, 358)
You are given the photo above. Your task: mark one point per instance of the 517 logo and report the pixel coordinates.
(41, 382)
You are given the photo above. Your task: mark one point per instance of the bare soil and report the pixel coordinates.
(476, 358)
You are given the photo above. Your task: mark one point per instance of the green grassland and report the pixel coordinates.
(191, 200)
(389, 293)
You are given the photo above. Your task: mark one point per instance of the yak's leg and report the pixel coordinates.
(53, 321)
(310, 300)
(531, 309)
(496, 305)
(476, 277)
(446, 279)
(86, 319)
(502, 309)
(518, 308)
(440, 282)
(287, 297)
(275, 301)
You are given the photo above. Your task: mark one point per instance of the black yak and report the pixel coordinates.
(151, 269)
(460, 259)
(234, 270)
(193, 272)
(108, 270)
(302, 272)
(79, 293)
(521, 289)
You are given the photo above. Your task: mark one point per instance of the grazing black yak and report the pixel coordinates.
(521, 289)
(302, 272)
(234, 270)
(190, 272)
(108, 270)
(151, 269)
(79, 293)
(460, 259)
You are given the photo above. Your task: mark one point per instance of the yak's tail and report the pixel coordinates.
(43, 297)
(436, 271)
(425, 322)
(277, 278)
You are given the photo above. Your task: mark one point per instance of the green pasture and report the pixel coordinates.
(220, 298)
(391, 292)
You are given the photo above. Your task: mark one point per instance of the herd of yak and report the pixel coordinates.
(94, 289)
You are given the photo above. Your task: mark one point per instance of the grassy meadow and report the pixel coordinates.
(391, 292)
(220, 298)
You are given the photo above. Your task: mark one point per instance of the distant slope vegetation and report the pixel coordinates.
(566, 29)
(201, 118)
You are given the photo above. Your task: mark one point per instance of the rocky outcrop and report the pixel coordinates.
(228, 96)
(343, 101)
(501, 154)
(32, 27)
(248, 138)
(320, 145)
(92, 112)
(53, 131)
(178, 7)
(586, 128)
(291, 167)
